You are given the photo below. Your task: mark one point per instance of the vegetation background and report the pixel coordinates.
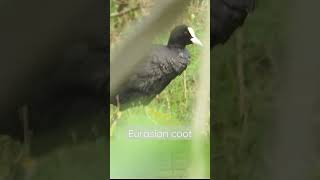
(173, 107)
(243, 74)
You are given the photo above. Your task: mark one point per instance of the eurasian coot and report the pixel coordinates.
(163, 64)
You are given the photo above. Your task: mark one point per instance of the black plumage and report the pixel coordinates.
(226, 17)
(162, 65)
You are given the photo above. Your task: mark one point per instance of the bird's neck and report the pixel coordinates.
(175, 45)
(172, 44)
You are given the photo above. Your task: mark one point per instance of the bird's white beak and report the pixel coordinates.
(194, 39)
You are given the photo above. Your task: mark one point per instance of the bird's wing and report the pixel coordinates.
(160, 67)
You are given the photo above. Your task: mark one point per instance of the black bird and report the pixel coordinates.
(226, 17)
(162, 65)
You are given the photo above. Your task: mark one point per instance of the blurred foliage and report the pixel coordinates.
(82, 161)
(10, 151)
(238, 143)
(70, 151)
(137, 9)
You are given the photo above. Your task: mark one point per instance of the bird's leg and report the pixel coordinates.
(24, 116)
(116, 118)
(94, 130)
(25, 160)
(118, 101)
(158, 97)
(74, 136)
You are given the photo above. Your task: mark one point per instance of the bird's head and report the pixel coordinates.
(183, 35)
